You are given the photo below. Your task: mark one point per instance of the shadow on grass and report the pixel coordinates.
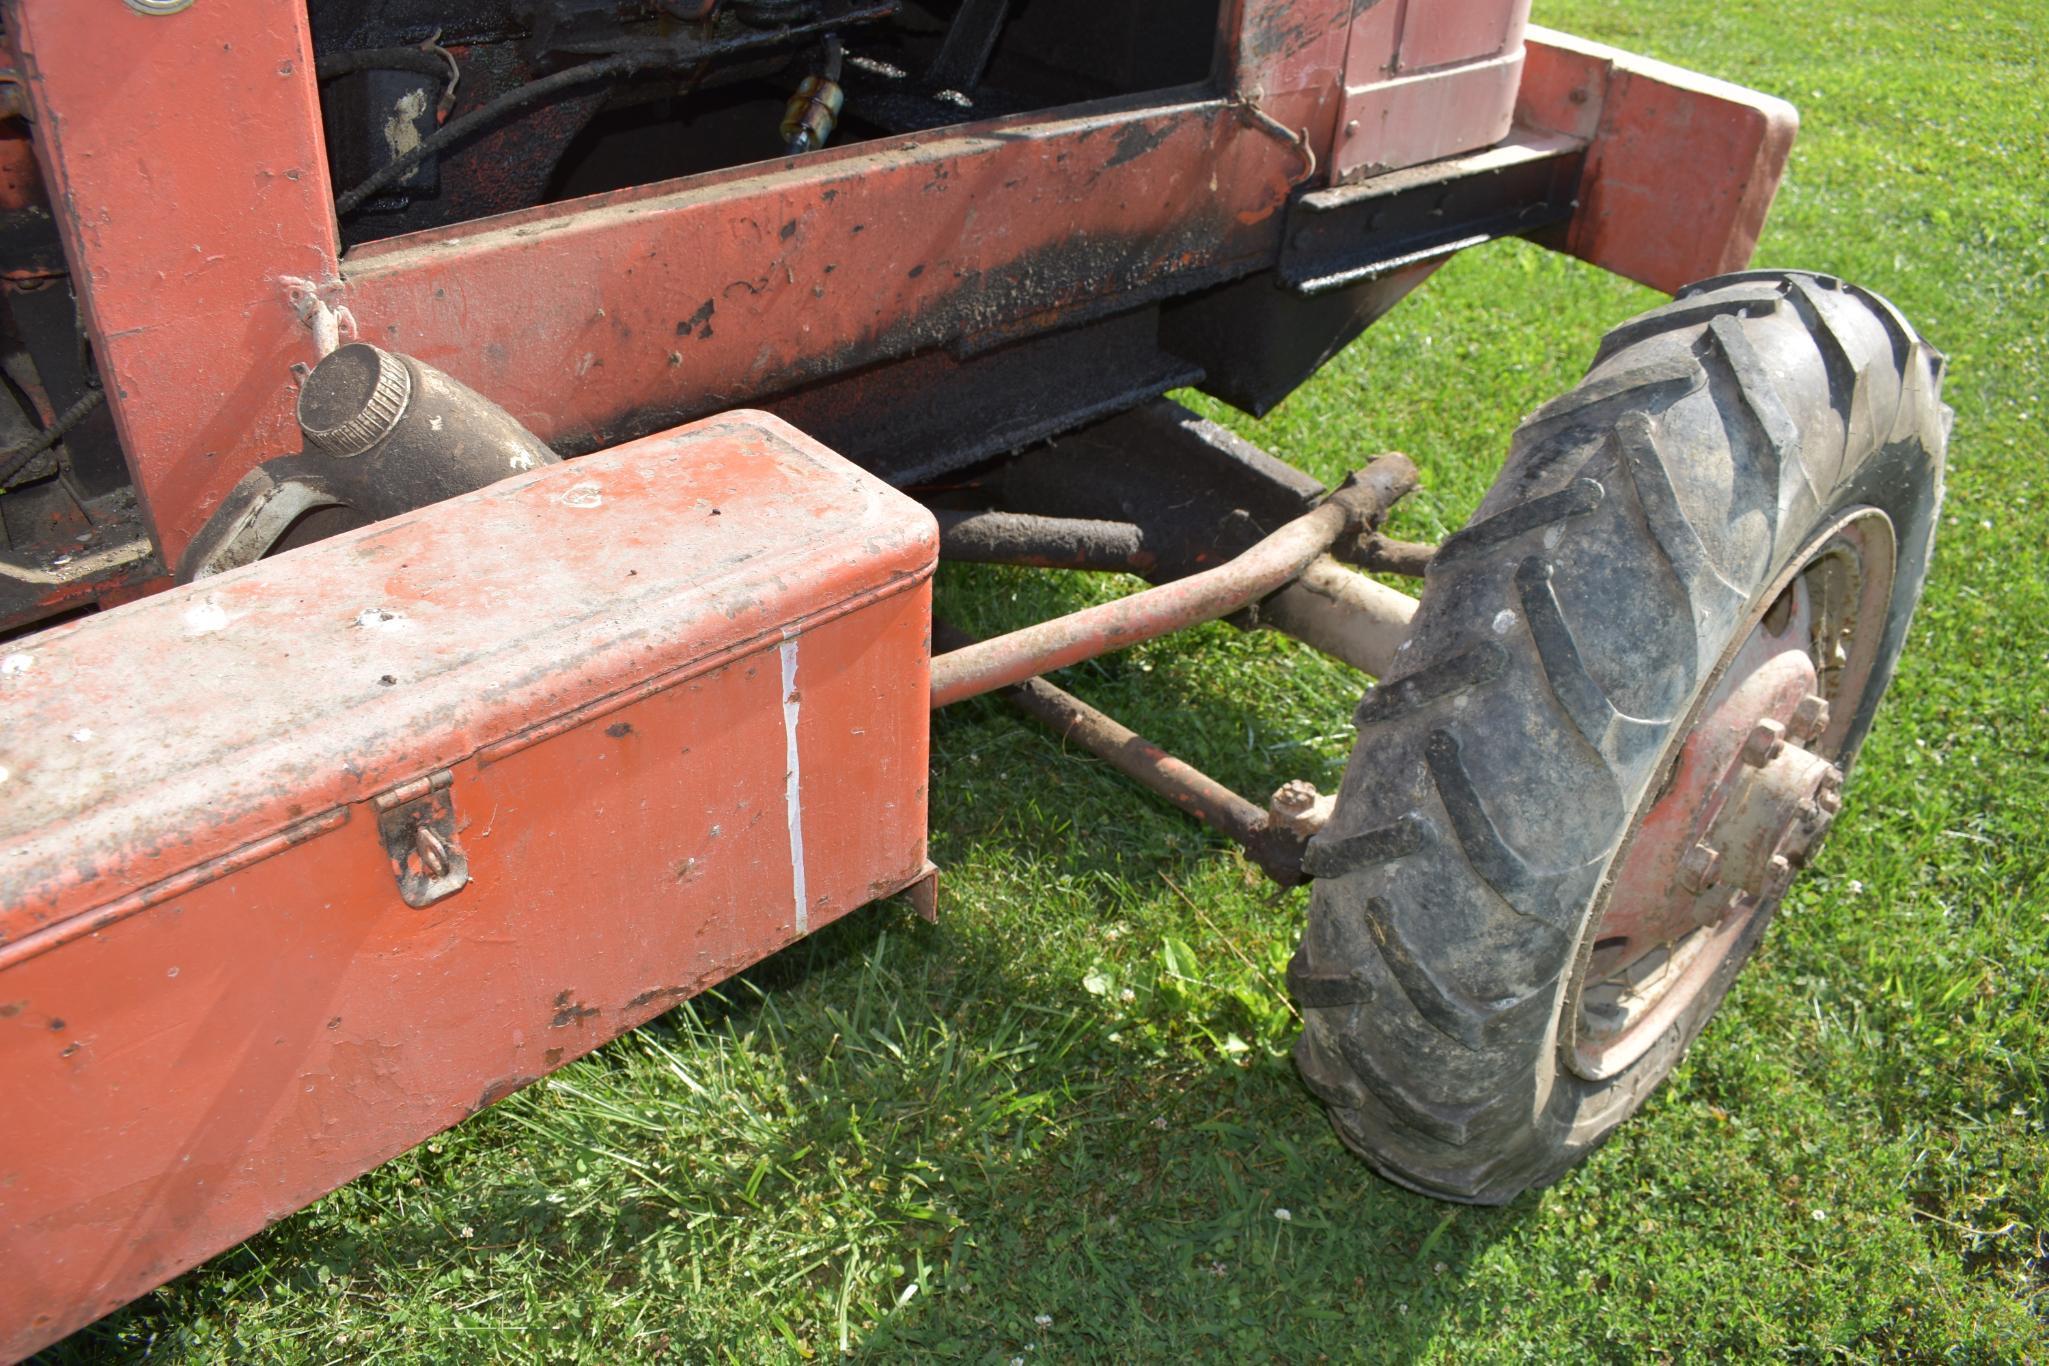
(935, 1141)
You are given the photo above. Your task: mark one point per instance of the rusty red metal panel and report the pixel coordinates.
(1446, 32)
(1426, 79)
(1681, 169)
(184, 191)
(665, 709)
(640, 301)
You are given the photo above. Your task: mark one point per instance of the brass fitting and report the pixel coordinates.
(812, 114)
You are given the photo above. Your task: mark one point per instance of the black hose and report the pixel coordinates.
(533, 92)
(603, 69)
(773, 13)
(335, 65)
(15, 461)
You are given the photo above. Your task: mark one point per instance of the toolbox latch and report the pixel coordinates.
(416, 821)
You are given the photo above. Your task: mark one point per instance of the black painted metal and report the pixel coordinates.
(1352, 234)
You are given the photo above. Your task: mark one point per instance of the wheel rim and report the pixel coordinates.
(1746, 791)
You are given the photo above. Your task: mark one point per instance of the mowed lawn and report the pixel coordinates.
(1062, 1125)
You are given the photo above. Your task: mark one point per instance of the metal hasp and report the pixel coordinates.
(417, 823)
(1267, 568)
(306, 861)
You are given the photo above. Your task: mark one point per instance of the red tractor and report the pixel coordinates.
(474, 475)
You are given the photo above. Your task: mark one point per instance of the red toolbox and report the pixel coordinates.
(453, 800)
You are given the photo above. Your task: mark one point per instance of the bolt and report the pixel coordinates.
(1779, 875)
(433, 851)
(1294, 796)
(1712, 910)
(1298, 808)
(1810, 718)
(1828, 793)
(1700, 868)
(1766, 741)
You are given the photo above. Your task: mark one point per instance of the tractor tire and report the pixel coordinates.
(1763, 453)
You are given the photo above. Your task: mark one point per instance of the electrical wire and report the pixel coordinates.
(603, 69)
(15, 461)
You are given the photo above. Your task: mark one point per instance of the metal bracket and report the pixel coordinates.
(416, 821)
(1353, 233)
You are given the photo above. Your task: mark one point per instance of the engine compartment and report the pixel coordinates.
(526, 102)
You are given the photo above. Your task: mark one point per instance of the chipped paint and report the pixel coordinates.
(402, 129)
(205, 617)
(793, 801)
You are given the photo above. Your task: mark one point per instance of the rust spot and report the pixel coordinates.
(917, 270)
(788, 230)
(553, 1057)
(69, 1049)
(653, 994)
(56, 1023)
(698, 322)
(1135, 141)
(334, 1023)
(570, 1013)
(499, 1090)
(9, 1009)
(619, 730)
(682, 868)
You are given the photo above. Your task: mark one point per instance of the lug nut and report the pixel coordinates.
(1766, 741)
(1294, 795)
(1296, 806)
(1700, 868)
(1828, 793)
(1779, 875)
(1810, 718)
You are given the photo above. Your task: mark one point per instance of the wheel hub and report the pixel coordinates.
(1749, 794)
(1780, 798)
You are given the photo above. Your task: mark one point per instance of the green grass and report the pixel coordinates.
(1061, 1124)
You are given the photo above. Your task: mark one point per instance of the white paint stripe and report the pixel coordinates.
(793, 799)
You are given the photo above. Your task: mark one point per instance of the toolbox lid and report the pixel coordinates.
(152, 738)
